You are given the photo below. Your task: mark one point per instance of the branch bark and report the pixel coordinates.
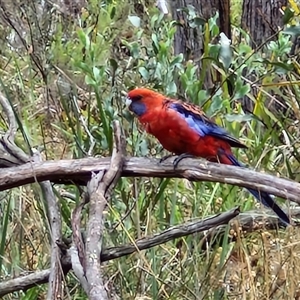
(79, 171)
(99, 190)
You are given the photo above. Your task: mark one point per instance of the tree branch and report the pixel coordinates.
(246, 222)
(80, 170)
(55, 290)
(99, 190)
(39, 277)
(10, 153)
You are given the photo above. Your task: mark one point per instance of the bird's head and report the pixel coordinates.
(142, 100)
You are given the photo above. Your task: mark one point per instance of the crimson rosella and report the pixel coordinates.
(184, 130)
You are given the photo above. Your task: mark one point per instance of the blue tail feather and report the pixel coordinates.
(263, 197)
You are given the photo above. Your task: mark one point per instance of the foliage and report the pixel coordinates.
(66, 104)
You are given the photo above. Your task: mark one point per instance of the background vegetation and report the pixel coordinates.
(66, 72)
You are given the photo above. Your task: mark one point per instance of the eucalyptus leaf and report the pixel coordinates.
(293, 30)
(135, 21)
(288, 15)
(242, 91)
(144, 73)
(238, 118)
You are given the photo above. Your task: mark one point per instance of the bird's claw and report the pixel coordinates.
(165, 158)
(180, 157)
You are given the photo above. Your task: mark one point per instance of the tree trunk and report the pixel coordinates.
(262, 18)
(188, 40)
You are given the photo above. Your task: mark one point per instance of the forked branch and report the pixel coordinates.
(10, 153)
(99, 190)
(40, 277)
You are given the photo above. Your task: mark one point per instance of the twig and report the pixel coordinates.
(12, 130)
(39, 277)
(248, 222)
(85, 126)
(10, 154)
(55, 290)
(79, 171)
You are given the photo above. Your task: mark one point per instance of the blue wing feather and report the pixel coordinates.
(202, 124)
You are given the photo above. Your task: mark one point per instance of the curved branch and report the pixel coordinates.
(39, 277)
(246, 222)
(10, 154)
(80, 170)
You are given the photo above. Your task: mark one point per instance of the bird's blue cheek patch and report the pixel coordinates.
(138, 108)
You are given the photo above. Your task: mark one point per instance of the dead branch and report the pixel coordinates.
(93, 243)
(55, 290)
(100, 189)
(80, 170)
(40, 277)
(77, 250)
(247, 222)
(10, 153)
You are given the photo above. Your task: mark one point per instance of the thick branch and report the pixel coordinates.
(99, 189)
(93, 244)
(80, 171)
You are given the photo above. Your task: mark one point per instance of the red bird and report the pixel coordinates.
(184, 129)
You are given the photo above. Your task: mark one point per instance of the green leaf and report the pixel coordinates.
(293, 30)
(243, 48)
(288, 15)
(135, 21)
(89, 80)
(197, 21)
(113, 12)
(242, 91)
(177, 60)
(113, 64)
(155, 43)
(238, 118)
(202, 96)
(171, 88)
(84, 38)
(144, 73)
(225, 55)
(280, 67)
(96, 73)
(216, 104)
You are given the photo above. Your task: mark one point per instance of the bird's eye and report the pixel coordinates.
(136, 98)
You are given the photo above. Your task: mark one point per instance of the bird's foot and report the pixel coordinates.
(180, 157)
(165, 158)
